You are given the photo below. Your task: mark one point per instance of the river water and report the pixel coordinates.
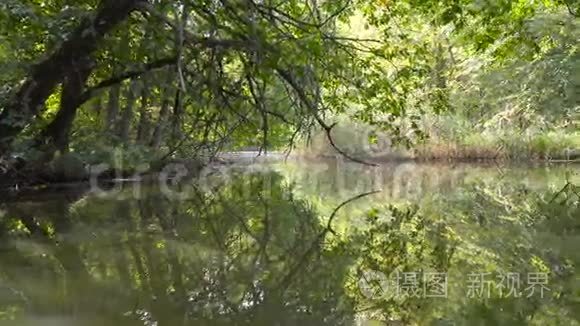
(290, 243)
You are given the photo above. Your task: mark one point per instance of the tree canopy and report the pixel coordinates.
(156, 75)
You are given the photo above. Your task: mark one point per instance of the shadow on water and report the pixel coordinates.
(257, 250)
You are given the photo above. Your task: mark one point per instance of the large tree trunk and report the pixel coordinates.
(124, 128)
(112, 108)
(111, 118)
(46, 75)
(162, 120)
(176, 132)
(143, 129)
(55, 137)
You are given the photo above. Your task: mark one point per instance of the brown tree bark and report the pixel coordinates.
(28, 101)
(55, 137)
(161, 123)
(112, 108)
(176, 132)
(162, 120)
(124, 128)
(144, 127)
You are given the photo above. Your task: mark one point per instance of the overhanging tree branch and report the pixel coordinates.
(132, 74)
(287, 76)
(188, 37)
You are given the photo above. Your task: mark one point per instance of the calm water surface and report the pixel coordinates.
(265, 245)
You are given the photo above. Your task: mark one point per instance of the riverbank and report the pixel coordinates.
(445, 159)
(549, 147)
(71, 174)
(451, 146)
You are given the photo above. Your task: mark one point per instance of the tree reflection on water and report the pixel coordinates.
(223, 257)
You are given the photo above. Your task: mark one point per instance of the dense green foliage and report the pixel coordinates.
(524, 106)
(137, 85)
(209, 74)
(191, 78)
(491, 82)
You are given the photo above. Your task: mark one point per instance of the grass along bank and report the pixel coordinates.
(545, 146)
(449, 145)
